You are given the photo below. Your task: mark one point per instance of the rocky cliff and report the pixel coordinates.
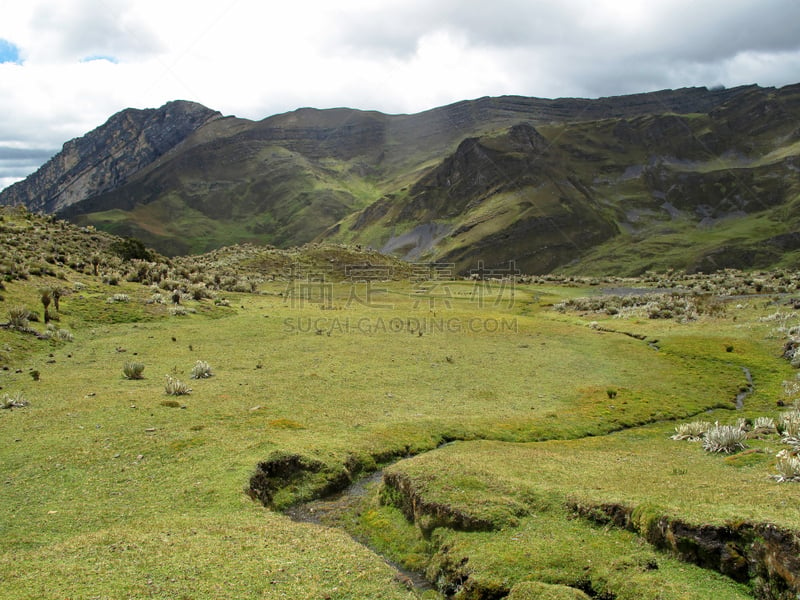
(108, 156)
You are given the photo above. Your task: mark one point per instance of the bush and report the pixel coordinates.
(764, 426)
(176, 387)
(725, 439)
(199, 293)
(62, 335)
(201, 370)
(788, 467)
(119, 298)
(8, 401)
(133, 370)
(692, 432)
(19, 317)
(130, 249)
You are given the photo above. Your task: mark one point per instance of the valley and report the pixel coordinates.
(532, 430)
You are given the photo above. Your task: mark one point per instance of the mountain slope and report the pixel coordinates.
(668, 178)
(108, 156)
(695, 191)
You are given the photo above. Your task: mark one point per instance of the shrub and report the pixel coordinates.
(176, 387)
(725, 439)
(133, 370)
(764, 426)
(199, 293)
(119, 298)
(62, 335)
(201, 370)
(692, 432)
(788, 467)
(130, 249)
(19, 317)
(8, 401)
(790, 426)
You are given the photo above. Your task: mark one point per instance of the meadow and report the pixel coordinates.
(515, 422)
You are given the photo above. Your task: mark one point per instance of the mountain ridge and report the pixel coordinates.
(84, 167)
(549, 183)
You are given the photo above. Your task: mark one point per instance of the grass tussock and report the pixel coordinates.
(133, 370)
(725, 439)
(201, 370)
(175, 387)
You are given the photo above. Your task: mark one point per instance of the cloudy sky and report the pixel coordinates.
(67, 65)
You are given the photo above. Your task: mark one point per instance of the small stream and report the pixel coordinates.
(327, 512)
(743, 394)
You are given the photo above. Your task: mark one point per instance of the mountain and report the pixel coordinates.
(105, 158)
(693, 178)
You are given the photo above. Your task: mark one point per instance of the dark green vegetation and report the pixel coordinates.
(693, 179)
(510, 468)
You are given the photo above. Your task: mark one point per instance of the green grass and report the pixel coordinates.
(110, 492)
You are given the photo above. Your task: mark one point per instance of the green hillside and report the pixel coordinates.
(692, 179)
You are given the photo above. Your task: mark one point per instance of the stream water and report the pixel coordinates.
(743, 394)
(328, 512)
(331, 511)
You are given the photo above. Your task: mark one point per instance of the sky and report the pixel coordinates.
(67, 65)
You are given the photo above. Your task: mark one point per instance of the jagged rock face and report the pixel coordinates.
(106, 157)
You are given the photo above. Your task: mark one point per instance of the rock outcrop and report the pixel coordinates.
(105, 158)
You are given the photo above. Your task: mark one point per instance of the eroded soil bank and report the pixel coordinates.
(762, 554)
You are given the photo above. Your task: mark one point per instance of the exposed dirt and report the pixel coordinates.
(760, 554)
(763, 554)
(283, 470)
(401, 492)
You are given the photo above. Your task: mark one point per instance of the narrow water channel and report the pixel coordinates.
(328, 512)
(744, 393)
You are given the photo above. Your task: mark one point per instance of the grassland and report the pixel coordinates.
(112, 489)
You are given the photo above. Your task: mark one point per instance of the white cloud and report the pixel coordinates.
(68, 31)
(253, 58)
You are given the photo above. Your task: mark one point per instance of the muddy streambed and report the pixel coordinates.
(330, 511)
